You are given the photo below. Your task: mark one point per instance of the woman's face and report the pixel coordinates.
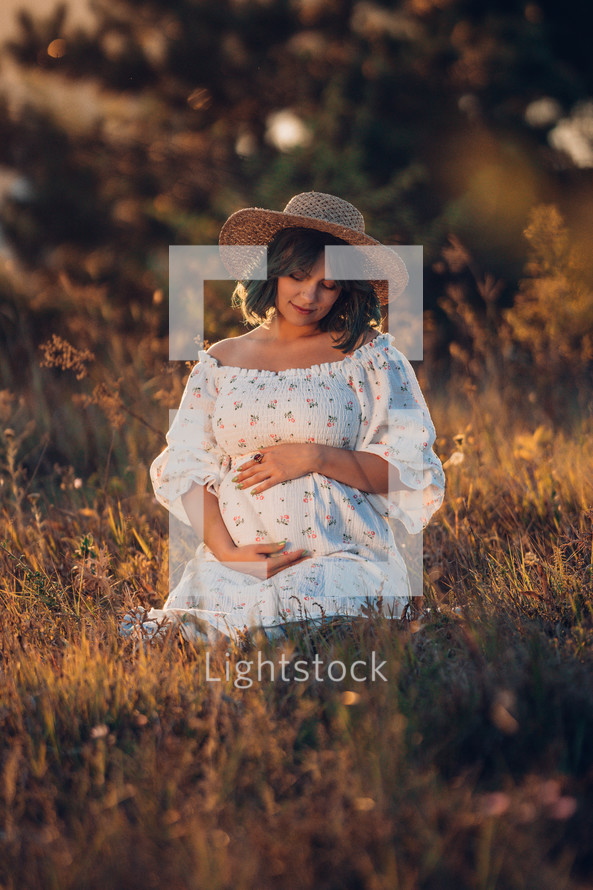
(304, 298)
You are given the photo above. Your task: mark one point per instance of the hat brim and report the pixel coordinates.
(256, 226)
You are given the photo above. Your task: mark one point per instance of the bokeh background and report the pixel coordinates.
(128, 126)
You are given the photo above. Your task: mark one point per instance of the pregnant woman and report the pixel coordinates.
(295, 442)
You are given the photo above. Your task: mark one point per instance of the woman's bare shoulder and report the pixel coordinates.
(230, 351)
(220, 350)
(368, 335)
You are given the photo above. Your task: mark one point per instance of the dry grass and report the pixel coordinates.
(123, 766)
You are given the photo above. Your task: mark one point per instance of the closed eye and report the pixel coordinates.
(301, 276)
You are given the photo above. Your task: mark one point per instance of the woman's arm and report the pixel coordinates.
(366, 472)
(204, 514)
(260, 560)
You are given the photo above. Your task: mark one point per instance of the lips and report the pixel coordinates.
(302, 311)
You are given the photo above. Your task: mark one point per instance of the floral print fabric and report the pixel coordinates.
(369, 401)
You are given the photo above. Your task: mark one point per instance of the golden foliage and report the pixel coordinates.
(110, 738)
(59, 353)
(552, 317)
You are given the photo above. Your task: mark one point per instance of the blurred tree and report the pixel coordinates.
(432, 116)
(552, 317)
(414, 112)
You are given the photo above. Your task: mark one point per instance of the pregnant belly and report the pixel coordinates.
(311, 512)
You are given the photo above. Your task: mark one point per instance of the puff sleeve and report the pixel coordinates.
(192, 453)
(395, 424)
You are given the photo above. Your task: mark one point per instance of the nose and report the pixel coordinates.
(308, 290)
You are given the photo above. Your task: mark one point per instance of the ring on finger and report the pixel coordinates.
(258, 457)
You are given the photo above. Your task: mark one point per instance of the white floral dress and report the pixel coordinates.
(369, 401)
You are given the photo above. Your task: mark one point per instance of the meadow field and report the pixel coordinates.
(122, 764)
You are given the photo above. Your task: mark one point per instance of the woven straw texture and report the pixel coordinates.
(310, 210)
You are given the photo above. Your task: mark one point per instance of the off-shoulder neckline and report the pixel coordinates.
(322, 367)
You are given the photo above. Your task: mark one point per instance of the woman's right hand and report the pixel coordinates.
(262, 560)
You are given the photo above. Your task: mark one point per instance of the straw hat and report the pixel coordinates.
(324, 213)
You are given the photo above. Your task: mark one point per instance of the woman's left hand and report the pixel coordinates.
(280, 463)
